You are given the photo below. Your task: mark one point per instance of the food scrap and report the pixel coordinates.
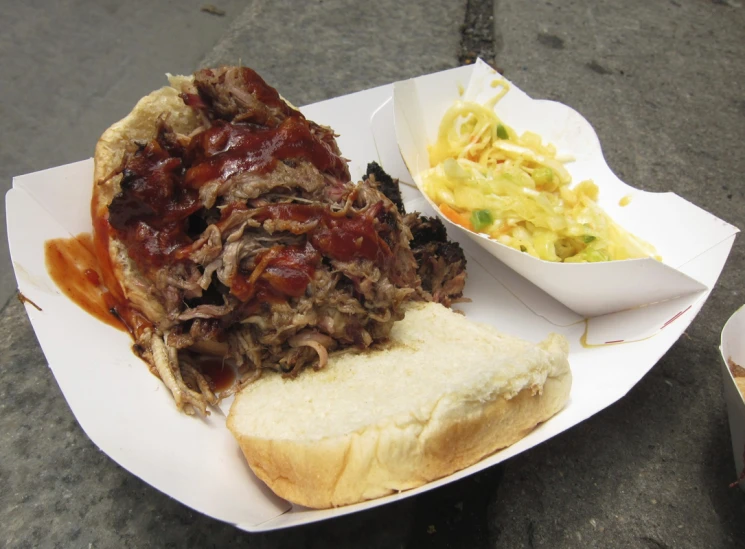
(23, 299)
(212, 10)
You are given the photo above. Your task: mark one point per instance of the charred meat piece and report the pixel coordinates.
(425, 230)
(386, 184)
(441, 263)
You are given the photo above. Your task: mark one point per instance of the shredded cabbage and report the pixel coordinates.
(513, 188)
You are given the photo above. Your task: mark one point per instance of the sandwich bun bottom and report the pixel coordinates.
(442, 394)
(120, 139)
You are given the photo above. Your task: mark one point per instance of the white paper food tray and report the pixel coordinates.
(733, 348)
(130, 415)
(678, 229)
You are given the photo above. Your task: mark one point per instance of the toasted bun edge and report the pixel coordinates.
(139, 126)
(391, 453)
(374, 462)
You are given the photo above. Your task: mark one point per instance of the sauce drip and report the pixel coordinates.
(72, 265)
(221, 375)
(132, 319)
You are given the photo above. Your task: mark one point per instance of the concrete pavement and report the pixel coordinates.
(661, 84)
(72, 68)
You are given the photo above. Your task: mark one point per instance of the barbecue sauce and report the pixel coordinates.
(23, 299)
(221, 376)
(132, 319)
(151, 212)
(161, 181)
(336, 235)
(280, 271)
(160, 195)
(289, 269)
(225, 150)
(72, 265)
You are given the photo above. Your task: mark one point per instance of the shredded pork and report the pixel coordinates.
(273, 263)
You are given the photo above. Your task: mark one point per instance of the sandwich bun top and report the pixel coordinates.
(441, 395)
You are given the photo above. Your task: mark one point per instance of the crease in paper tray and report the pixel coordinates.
(679, 230)
(733, 348)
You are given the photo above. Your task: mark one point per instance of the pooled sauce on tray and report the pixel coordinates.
(72, 265)
(220, 374)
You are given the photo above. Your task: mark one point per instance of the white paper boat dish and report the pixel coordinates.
(733, 348)
(129, 414)
(679, 230)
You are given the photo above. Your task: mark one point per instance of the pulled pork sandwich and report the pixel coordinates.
(227, 224)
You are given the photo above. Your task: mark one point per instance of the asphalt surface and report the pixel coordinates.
(660, 82)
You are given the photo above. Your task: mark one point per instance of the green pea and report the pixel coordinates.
(481, 219)
(543, 176)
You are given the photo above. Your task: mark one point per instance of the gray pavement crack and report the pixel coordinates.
(477, 33)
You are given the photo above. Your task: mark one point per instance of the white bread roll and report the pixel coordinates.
(444, 393)
(139, 126)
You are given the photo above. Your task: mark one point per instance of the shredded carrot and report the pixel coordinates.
(456, 217)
